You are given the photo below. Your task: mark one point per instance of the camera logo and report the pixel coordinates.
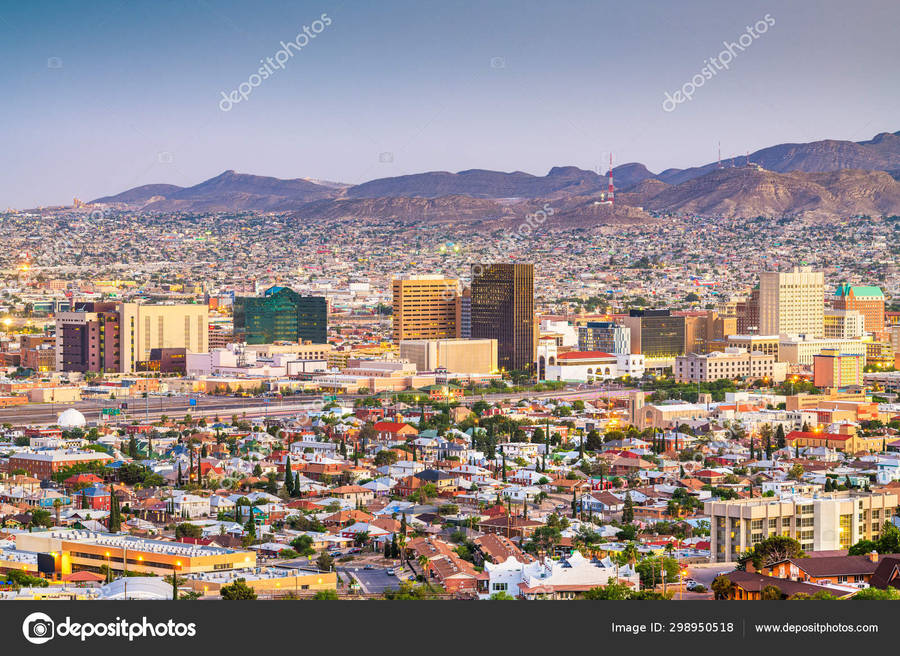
(38, 628)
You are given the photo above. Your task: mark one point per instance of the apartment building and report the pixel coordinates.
(820, 523)
(792, 302)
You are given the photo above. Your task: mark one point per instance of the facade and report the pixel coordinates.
(503, 309)
(868, 300)
(86, 550)
(656, 333)
(801, 350)
(732, 364)
(844, 324)
(114, 337)
(766, 344)
(824, 523)
(46, 463)
(281, 315)
(747, 314)
(471, 356)
(426, 307)
(605, 336)
(831, 368)
(465, 314)
(792, 302)
(568, 578)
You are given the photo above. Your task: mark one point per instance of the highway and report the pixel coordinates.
(152, 408)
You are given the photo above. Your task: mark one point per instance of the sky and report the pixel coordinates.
(103, 96)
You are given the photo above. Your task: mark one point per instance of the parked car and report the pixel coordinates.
(391, 572)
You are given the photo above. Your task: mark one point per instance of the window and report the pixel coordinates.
(500, 587)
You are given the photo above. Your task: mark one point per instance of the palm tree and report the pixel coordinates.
(57, 504)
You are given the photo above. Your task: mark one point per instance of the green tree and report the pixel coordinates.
(722, 587)
(770, 551)
(187, 530)
(628, 510)
(611, 591)
(502, 596)
(237, 590)
(874, 594)
(770, 593)
(326, 595)
(115, 515)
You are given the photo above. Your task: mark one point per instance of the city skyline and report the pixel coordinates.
(384, 93)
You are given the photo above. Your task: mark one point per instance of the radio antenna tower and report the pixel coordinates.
(720, 154)
(611, 188)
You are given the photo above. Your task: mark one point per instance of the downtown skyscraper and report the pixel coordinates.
(503, 309)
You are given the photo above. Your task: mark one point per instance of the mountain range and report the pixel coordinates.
(818, 180)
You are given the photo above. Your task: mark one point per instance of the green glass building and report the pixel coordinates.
(281, 315)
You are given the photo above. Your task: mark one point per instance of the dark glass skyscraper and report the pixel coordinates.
(503, 309)
(281, 315)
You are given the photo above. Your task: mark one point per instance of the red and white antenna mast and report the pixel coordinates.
(611, 188)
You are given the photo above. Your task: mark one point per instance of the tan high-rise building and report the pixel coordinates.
(426, 307)
(792, 302)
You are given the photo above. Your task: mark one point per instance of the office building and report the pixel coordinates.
(605, 336)
(732, 364)
(747, 314)
(801, 350)
(115, 336)
(656, 333)
(469, 356)
(844, 324)
(281, 315)
(868, 300)
(426, 307)
(503, 309)
(792, 302)
(827, 522)
(465, 314)
(767, 344)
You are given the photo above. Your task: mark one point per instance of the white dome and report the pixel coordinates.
(71, 418)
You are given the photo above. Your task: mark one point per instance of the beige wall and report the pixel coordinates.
(146, 327)
(792, 302)
(470, 356)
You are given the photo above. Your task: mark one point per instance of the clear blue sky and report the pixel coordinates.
(571, 81)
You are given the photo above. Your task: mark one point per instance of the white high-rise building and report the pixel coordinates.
(792, 302)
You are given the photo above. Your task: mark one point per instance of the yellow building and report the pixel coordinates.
(85, 550)
(425, 307)
(144, 327)
(269, 581)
